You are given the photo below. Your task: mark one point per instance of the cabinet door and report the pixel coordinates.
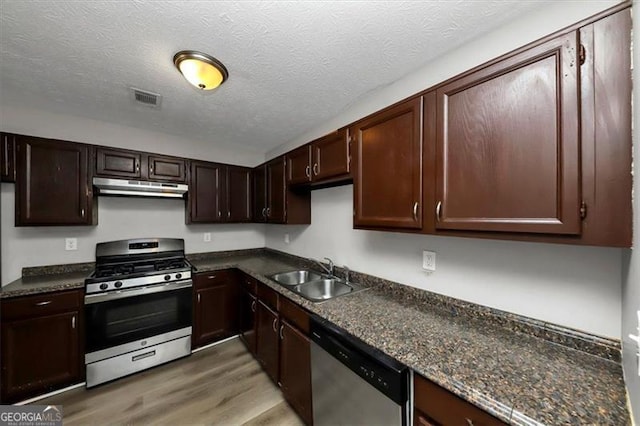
(331, 156)
(8, 157)
(507, 148)
(216, 313)
(295, 370)
(206, 192)
(118, 163)
(167, 169)
(248, 307)
(39, 355)
(238, 194)
(388, 168)
(260, 194)
(267, 346)
(276, 191)
(52, 186)
(298, 165)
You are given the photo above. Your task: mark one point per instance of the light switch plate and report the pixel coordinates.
(207, 237)
(429, 260)
(70, 244)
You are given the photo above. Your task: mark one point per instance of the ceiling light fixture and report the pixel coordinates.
(201, 70)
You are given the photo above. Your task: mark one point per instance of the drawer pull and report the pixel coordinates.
(211, 277)
(198, 297)
(253, 306)
(143, 356)
(469, 421)
(275, 325)
(48, 302)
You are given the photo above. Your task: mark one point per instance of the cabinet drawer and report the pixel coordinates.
(212, 278)
(268, 296)
(41, 304)
(295, 314)
(437, 406)
(248, 283)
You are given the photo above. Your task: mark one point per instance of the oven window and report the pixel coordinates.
(116, 322)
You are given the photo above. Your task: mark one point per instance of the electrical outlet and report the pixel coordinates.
(429, 260)
(70, 244)
(207, 237)
(286, 239)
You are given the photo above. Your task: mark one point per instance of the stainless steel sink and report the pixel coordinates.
(294, 278)
(323, 289)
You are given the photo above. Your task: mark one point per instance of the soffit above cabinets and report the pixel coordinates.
(292, 65)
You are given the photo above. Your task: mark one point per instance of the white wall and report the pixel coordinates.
(574, 286)
(631, 264)
(578, 287)
(117, 217)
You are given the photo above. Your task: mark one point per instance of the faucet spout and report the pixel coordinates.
(329, 269)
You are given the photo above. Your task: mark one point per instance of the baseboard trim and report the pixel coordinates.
(210, 345)
(47, 395)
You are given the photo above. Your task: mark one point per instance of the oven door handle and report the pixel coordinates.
(122, 294)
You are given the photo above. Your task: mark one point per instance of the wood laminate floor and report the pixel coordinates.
(222, 385)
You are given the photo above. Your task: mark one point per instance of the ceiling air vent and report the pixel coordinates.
(143, 97)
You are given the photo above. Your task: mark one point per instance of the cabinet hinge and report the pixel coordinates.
(583, 54)
(583, 210)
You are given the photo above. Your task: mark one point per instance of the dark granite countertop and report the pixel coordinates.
(519, 378)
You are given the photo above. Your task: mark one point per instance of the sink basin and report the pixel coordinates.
(323, 289)
(294, 278)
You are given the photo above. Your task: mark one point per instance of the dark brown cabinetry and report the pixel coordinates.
(387, 168)
(274, 201)
(52, 185)
(268, 341)
(326, 160)
(238, 194)
(248, 308)
(122, 163)
(216, 300)
(7, 157)
(435, 406)
(506, 161)
(41, 344)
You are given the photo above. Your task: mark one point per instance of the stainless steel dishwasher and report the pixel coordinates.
(354, 383)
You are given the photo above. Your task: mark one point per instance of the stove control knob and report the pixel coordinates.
(178, 276)
(167, 277)
(118, 284)
(104, 286)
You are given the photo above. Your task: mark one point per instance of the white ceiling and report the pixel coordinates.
(292, 64)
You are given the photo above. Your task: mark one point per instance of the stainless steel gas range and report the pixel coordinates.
(138, 307)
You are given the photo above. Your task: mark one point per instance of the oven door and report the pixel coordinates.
(118, 318)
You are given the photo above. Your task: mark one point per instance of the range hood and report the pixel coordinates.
(139, 188)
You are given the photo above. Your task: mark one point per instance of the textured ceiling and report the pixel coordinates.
(292, 65)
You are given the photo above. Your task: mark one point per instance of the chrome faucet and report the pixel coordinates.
(346, 273)
(328, 270)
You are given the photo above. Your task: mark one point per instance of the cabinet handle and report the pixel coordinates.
(229, 214)
(268, 211)
(253, 306)
(469, 421)
(150, 170)
(211, 277)
(281, 332)
(198, 297)
(275, 325)
(137, 167)
(73, 322)
(415, 211)
(315, 169)
(438, 210)
(43, 303)
(264, 212)
(307, 171)
(82, 212)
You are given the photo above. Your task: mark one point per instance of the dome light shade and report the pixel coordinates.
(201, 70)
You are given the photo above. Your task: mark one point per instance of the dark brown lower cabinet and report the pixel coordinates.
(295, 370)
(248, 323)
(215, 307)
(268, 341)
(435, 406)
(41, 344)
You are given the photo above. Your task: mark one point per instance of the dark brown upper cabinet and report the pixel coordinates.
(8, 157)
(325, 160)
(206, 197)
(274, 201)
(507, 149)
(126, 164)
(52, 185)
(238, 191)
(387, 168)
(164, 168)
